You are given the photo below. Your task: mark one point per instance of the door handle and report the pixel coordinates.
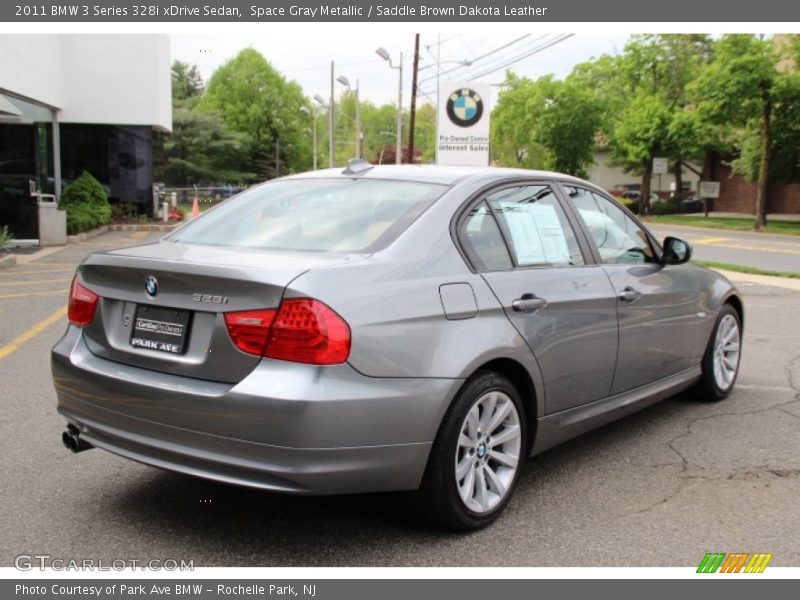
(629, 294)
(528, 303)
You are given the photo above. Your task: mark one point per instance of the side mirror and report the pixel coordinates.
(676, 251)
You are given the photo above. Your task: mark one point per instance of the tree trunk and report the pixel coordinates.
(763, 171)
(678, 171)
(644, 201)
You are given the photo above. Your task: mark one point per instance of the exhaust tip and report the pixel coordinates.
(71, 440)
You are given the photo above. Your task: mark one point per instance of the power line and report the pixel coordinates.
(476, 59)
(541, 48)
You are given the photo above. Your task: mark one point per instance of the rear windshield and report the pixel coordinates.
(324, 215)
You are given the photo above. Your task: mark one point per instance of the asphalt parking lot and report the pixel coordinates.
(660, 488)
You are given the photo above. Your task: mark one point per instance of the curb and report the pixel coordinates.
(143, 226)
(782, 282)
(7, 261)
(86, 235)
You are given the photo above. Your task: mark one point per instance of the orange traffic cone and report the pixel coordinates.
(195, 208)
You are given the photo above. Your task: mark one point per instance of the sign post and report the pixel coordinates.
(708, 189)
(660, 166)
(463, 118)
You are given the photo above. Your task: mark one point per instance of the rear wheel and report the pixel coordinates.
(721, 360)
(476, 458)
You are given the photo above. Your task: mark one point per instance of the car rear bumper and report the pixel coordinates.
(285, 427)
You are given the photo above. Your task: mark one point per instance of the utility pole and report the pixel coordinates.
(413, 114)
(331, 122)
(399, 158)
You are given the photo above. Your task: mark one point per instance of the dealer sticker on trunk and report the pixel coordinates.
(161, 329)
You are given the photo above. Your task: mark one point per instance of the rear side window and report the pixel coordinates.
(323, 215)
(482, 241)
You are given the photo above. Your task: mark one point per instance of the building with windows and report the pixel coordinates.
(74, 103)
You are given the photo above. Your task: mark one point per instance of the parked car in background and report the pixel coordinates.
(388, 328)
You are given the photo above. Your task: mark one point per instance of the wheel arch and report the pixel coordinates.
(736, 302)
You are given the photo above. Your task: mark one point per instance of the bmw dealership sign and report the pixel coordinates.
(463, 124)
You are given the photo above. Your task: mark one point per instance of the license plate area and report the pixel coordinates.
(160, 329)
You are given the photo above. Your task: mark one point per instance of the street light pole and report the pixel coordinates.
(358, 123)
(385, 56)
(331, 143)
(346, 82)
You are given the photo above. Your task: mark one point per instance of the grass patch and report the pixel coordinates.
(729, 223)
(743, 269)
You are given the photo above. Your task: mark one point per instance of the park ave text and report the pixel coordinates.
(177, 589)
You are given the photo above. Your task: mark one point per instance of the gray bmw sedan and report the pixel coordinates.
(388, 328)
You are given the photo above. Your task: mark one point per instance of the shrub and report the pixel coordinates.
(629, 203)
(86, 203)
(5, 239)
(123, 212)
(664, 207)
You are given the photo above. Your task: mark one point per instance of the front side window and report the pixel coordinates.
(538, 232)
(619, 239)
(322, 215)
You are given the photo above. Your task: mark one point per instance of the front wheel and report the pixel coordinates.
(476, 458)
(721, 360)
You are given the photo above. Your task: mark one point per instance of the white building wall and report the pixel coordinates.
(104, 79)
(608, 177)
(30, 65)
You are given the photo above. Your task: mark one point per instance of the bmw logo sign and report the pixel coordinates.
(465, 107)
(151, 286)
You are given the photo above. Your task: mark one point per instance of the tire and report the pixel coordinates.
(463, 504)
(722, 359)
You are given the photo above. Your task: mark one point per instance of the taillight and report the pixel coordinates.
(308, 331)
(301, 330)
(250, 329)
(82, 304)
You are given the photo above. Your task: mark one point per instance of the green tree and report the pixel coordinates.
(514, 123)
(545, 124)
(255, 100)
(186, 81)
(652, 76)
(745, 88)
(567, 128)
(202, 150)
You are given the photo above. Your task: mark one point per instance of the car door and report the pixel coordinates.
(660, 312)
(521, 241)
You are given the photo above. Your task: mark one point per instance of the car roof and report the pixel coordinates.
(432, 173)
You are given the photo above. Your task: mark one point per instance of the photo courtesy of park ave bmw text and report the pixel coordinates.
(340, 299)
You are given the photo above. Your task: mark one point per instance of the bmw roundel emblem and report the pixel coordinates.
(151, 286)
(465, 107)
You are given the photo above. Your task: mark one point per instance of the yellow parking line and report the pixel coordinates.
(757, 248)
(51, 264)
(710, 240)
(137, 235)
(28, 294)
(9, 274)
(27, 336)
(8, 283)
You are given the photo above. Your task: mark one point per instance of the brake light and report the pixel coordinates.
(301, 330)
(308, 331)
(250, 329)
(82, 304)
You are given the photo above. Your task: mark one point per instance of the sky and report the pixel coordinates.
(306, 58)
